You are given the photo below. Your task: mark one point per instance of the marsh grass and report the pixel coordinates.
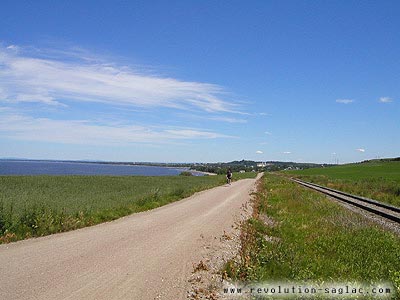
(307, 237)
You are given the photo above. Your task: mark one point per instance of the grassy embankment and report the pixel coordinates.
(40, 205)
(379, 180)
(296, 234)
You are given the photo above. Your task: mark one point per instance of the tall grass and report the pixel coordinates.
(300, 235)
(33, 206)
(39, 205)
(376, 180)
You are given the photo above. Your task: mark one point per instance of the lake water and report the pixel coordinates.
(16, 167)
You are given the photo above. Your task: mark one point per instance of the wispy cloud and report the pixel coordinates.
(360, 150)
(59, 80)
(385, 99)
(201, 116)
(259, 152)
(13, 48)
(268, 133)
(23, 127)
(344, 101)
(287, 152)
(228, 120)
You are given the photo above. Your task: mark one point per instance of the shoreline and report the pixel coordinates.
(202, 173)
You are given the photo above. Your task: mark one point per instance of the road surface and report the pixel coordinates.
(148, 255)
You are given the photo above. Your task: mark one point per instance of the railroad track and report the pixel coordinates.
(382, 209)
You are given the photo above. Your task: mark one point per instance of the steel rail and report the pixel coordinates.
(391, 213)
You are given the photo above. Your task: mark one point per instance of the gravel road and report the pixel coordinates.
(148, 255)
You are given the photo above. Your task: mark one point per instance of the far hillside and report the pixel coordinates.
(376, 179)
(251, 165)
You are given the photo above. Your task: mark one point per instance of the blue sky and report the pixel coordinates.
(200, 81)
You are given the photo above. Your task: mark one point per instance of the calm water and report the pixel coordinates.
(8, 167)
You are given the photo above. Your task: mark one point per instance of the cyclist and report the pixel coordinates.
(229, 176)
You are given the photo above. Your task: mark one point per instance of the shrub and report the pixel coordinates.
(186, 173)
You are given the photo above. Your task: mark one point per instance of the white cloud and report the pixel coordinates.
(38, 97)
(268, 133)
(360, 150)
(385, 100)
(3, 94)
(207, 116)
(287, 152)
(62, 79)
(13, 47)
(190, 134)
(22, 127)
(344, 101)
(259, 152)
(228, 120)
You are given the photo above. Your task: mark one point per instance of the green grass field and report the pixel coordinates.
(379, 180)
(40, 205)
(375, 169)
(299, 235)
